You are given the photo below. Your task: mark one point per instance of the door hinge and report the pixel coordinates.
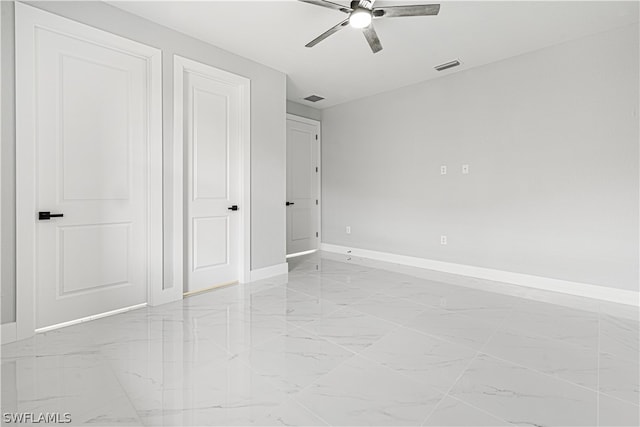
(316, 234)
(316, 169)
(316, 202)
(316, 137)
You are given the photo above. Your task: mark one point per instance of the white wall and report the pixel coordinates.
(268, 130)
(551, 138)
(303, 111)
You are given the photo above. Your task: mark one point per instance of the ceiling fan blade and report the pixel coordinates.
(367, 4)
(400, 11)
(327, 33)
(372, 38)
(328, 4)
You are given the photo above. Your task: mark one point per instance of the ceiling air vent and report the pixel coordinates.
(447, 65)
(314, 98)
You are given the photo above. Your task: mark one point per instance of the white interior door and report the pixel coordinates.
(91, 134)
(303, 177)
(212, 131)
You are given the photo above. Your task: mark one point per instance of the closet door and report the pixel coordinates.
(89, 95)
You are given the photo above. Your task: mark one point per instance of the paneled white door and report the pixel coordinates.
(303, 177)
(91, 134)
(212, 120)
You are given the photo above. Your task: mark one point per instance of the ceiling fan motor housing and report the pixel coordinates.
(361, 14)
(365, 4)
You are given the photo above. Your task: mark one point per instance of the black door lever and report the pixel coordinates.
(233, 208)
(42, 216)
(290, 203)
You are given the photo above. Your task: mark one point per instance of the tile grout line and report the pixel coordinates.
(541, 372)
(398, 326)
(310, 411)
(626, 402)
(482, 350)
(263, 311)
(405, 376)
(556, 377)
(358, 354)
(478, 352)
(292, 395)
(364, 356)
(537, 335)
(497, 324)
(124, 389)
(312, 383)
(446, 394)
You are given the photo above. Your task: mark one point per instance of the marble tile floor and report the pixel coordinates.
(339, 343)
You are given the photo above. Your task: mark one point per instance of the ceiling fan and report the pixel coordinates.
(362, 12)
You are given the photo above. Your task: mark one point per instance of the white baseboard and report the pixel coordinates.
(8, 332)
(598, 292)
(267, 272)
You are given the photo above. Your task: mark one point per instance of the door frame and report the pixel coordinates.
(180, 66)
(27, 20)
(318, 124)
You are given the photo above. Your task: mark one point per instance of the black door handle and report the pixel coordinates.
(290, 203)
(45, 216)
(233, 208)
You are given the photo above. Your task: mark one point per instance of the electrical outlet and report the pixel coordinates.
(348, 229)
(443, 170)
(443, 240)
(465, 169)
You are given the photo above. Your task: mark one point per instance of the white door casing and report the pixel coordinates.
(211, 122)
(88, 124)
(303, 184)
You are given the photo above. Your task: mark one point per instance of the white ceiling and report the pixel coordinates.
(342, 68)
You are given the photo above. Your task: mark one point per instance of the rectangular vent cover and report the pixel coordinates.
(447, 65)
(314, 98)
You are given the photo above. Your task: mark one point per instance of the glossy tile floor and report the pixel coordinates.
(339, 343)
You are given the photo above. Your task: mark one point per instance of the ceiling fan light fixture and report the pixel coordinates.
(360, 18)
(362, 12)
